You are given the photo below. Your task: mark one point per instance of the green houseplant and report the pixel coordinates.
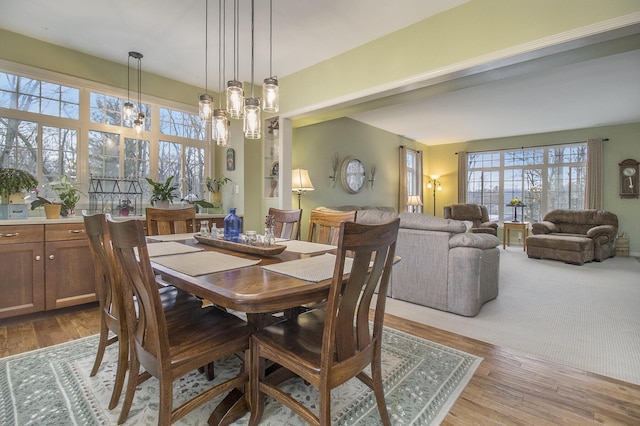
(214, 185)
(14, 181)
(162, 191)
(68, 194)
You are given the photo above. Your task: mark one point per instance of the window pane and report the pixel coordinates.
(177, 123)
(18, 144)
(59, 153)
(104, 154)
(194, 171)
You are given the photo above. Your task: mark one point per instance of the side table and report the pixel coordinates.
(516, 226)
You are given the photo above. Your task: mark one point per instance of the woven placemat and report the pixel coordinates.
(203, 262)
(314, 269)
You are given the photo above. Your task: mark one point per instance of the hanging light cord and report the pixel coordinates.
(128, 78)
(206, 46)
(236, 24)
(221, 51)
(252, 29)
(270, 37)
(140, 84)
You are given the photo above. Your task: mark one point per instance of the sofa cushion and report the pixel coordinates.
(480, 241)
(431, 223)
(467, 211)
(373, 216)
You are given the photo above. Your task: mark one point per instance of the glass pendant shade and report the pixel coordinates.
(220, 127)
(235, 99)
(138, 123)
(205, 107)
(270, 95)
(252, 118)
(128, 111)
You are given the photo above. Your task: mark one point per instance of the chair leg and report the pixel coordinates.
(166, 401)
(324, 406)
(102, 344)
(208, 371)
(256, 375)
(121, 371)
(378, 389)
(132, 382)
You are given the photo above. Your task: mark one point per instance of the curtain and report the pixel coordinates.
(595, 173)
(462, 177)
(402, 190)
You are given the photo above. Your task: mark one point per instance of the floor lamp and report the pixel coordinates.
(437, 186)
(300, 182)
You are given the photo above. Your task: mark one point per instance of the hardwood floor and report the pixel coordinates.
(509, 388)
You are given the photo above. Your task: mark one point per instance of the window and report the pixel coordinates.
(410, 178)
(543, 178)
(42, 130)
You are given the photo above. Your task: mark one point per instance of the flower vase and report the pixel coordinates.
(269, 237)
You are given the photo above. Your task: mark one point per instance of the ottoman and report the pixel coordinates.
(574, 249)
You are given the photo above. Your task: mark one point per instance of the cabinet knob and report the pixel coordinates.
(76, 231)
(15, 234)
(51, 257)
(37, 257)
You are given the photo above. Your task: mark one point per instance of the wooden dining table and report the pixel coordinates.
(253, 290)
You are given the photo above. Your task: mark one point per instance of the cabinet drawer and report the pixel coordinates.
(65, 232)
(14, 234)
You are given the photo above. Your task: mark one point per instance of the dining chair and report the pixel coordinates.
(327, 347)
(287, 223)
(110, 298)
(324, 225)
(170, 221)
(170, 346)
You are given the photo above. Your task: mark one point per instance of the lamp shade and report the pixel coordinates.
(414, 200)
(300, 180)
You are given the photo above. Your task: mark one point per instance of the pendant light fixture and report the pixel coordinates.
(252, 118)
(128, 108)
(270, 90)
(235, 92)
(205, 105)
(138, 123)
(220, 126)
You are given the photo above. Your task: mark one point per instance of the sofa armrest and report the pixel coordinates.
(607, 231)
(543, 227)
(493, 225)
(480, 241)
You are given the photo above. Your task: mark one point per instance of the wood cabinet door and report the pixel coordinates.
(21, 279)
(70, 277)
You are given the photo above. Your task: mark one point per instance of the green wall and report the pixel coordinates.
(314, 147)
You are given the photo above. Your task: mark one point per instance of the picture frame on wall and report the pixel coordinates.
(231, 159)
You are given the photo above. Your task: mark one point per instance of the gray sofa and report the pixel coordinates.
(442, 266)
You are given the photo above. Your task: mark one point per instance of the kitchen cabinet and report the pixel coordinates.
(21, 270)
(69, 273)
(44, 267)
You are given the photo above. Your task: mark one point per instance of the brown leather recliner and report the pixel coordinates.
(474, 213)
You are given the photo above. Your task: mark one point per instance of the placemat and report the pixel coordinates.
(306, 247)
(170, 247)
(315, 269)
(203, 262)
(172, 237)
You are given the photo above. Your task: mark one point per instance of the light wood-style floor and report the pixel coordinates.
(508, 388)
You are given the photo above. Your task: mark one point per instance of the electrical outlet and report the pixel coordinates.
(236, 189)
(519, 236)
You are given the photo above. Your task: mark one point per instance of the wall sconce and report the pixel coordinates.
(437, 186)
(335, 163)
(300, 182)
(414, 201)
(373, 176)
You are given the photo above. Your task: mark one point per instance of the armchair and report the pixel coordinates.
(474, 213)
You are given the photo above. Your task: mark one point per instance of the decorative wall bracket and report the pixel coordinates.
(335, 163)
(372, 179)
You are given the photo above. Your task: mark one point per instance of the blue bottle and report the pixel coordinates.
(232, 226)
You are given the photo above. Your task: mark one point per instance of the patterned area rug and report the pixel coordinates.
(52, 386)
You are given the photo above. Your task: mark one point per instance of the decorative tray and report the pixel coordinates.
(243, 248)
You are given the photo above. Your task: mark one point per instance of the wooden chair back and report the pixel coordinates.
(110, 298)
(327, 347)
(170, 221)
(199, 336)
(324, 226)
(287, 223)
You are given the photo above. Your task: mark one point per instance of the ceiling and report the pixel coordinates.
(529, 95)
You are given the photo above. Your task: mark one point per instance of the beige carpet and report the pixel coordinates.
(582, 316)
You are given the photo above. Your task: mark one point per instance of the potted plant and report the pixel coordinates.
(68, 194)
(14, 181)
(200, 204)
(162, 192)
(124, 207)
(214, 185)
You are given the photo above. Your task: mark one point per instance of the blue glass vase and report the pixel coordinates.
(232, 226)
